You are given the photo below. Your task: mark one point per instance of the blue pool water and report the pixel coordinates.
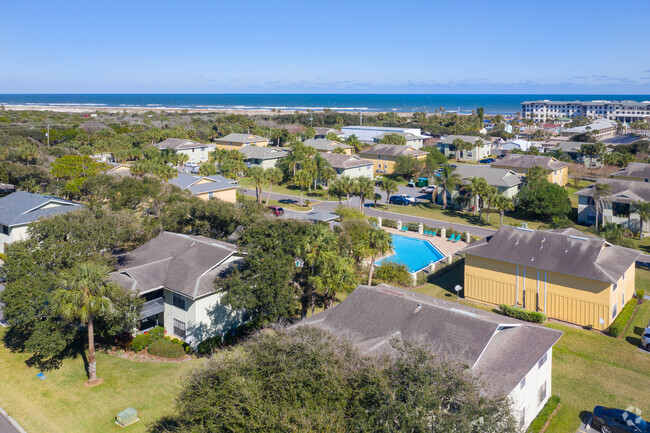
(414, 253)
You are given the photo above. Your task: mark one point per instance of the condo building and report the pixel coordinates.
(623, 111)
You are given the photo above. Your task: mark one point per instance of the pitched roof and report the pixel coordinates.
(392, 150)
(242, 138)
(596, 125)
(501, 349)
(582, 256)
(23, 207)
(181, 263)
(326, 145)
(634, 169)
(623, 191)
(7, 187)
(517, 160)
(189, 182)
(407, 135)
(325, 131)
(180, 144)
(263, 152)
(468, 138)
(494, 176)
(341, 161)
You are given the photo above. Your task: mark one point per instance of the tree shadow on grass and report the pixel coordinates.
(166, 424)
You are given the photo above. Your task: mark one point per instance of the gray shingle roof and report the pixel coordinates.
(583, 256)
(623, 191)
(263, 152)
(181, 263)
(500, 177)
(392, 150)
(497, 347)
(341, 161)
(407, 135)
(23, 207)
(242, 138)
(188, 181)
(528, 161)
(326, 145)
(597, 125)
(180, 144)
(468, 138)
(634, 169)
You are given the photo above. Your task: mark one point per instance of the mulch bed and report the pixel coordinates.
(143, 356)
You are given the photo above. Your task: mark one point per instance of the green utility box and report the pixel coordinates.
(127, 417)
(423, 181)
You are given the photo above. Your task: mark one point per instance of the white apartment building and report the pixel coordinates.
(623, 111)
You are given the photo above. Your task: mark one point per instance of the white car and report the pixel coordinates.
(408, 197)
(645, 339)
(428, 189)
(191, 164)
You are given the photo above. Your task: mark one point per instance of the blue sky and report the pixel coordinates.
(144, 46)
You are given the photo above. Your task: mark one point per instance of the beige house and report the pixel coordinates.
(349, 165)
(119, 169)
(383, 156)
(175, 274)
(265, 157)
(481, 150)
(208, 187)
(558, 172)
(327, 146)
(564, 274)
(634, 171)
(237, 141)
(507, 182)
(196, 152)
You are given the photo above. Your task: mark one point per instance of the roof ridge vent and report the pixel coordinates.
(524, 229)
(578, 238)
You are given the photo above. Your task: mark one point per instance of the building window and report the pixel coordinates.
(623, 298)
(210, 194)
(615, 287)
(522, 420)
(178, 301)
(614, 310)
(179, 328)
(522, 383)
(542, 361)
(621, 209)
(542, 394)
(5, 230)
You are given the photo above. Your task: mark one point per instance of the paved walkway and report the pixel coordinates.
(446, 247)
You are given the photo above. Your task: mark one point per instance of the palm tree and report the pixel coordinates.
(272, 175)
(379, 243)
(328, 174)
(364, 188)
(599, 192)
(318, 250)
(476, 188)
(389, 186)
(347, 187)
(643, 209)
(448, 179)
(302, 180)
(258, 178)
(457, 145)
(489, 194)
(86, 293)
(503, 204)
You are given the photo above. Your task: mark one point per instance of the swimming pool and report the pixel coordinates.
(414, 253)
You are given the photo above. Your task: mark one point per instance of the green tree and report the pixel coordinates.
(448, 179)
(480, 112)
(354, 141)
(379, 243)
(503, 204)
(543, 198)
(86, 294)
(397, 139)
(272, 175)
(28, 152)
(364, 188)
(600, 193)
(346, 185)
(258, 177)
(490, 193)
(642, 208)
(328, 174)
(302, 180)
(476, 188)
(389, 186)
(592, 150)
(75, 169)
(208, 169)
(310, 132)
(407, 166)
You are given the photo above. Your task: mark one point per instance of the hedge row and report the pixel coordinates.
(618, 325)
(521, 314)
(414, 228)
(544, 415)
(142, 341)
(167, 348)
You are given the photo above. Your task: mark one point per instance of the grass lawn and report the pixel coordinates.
(283, 204)
(285, 189)
(61, 403)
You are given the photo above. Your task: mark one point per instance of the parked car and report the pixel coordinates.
(486, 161)
(408, 197)
(618, 421)
(191, 164)
(428, 189)
(277, 210)
(645, 339)
(398, 199)
(194, 170)
(379, 182)
(411, 184)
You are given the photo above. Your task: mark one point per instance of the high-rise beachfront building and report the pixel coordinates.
(623, 111)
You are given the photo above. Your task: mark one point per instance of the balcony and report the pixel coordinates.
(153, 307)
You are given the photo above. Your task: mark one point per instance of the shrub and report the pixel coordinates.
(640, 294)
(123, 341)
(400, 179)
(395, 273)
(209, 345)
(155, 334)
(540, 420)
(389, 223)
(618, 325)
(521, 314)
(166, 348)
(140, 342)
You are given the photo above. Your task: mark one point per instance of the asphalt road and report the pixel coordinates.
(6, 426)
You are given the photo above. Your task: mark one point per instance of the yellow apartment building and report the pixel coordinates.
(383, 156)
(237, 141)
(328, 146)
(558, 171)
(208, 187)
(564, 274)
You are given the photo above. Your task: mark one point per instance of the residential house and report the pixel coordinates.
(265, 157)
(367, 134)
(634, 171)
(618, 207)
(119, 169)
(207, 187)
(564, 274)
(513, 358)
(481, 149)
(175, 275)
(349, 165)
(196, 152)
(323, 132)
(412, 140)
(573, 150)
(600, 129)
(6, 188)
(238, 141)
(21, 208)
(384, 156)
(507, 182)
(517, 144)
(558, 172)
(327, 146)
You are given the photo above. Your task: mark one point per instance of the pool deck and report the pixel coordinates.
(446, 247)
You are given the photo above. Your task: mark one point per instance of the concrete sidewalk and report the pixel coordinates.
(8, 424)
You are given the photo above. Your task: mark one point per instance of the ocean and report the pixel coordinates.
(463, 103)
